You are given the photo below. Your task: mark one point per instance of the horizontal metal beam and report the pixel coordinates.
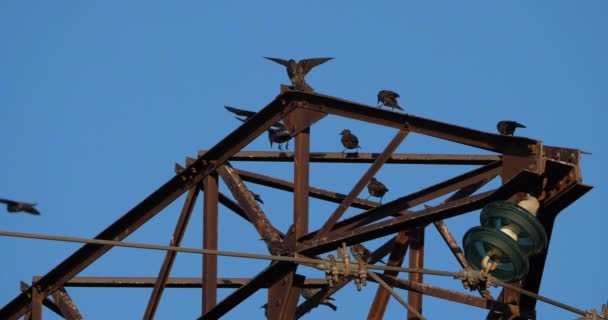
(365, 157)
(475, 138)
(520, 183)
(176, 282)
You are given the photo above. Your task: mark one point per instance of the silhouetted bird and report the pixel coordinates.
(246, 115)
(376, 189)
(256, 197)
(298, 70)
(308, 293)
(14, 206)
(279, 136)
(265, 306)
(389, 99)
(508, 127)
(359, 251)
(349, 140)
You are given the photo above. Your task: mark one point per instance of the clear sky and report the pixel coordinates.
(98, 99)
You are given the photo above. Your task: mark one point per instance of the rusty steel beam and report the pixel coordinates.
(360, 185)
(520, 183)
(46, 302)
(416, 261)
(267, 277)
(313, 192)
(366, 157)
(66, 305)
(445, 294)
(37, 299)
(283, 296)
(176, 239)
(394, 207)
(176, 282)
(380, 302)
(441, 130)
(153, 204)
(210, 238)
(246, 201)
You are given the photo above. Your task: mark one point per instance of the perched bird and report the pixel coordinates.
(14, 206)
(308, 293)
(256, 197)
(507, 127)
(298, 70)
(349, 140)
(279, 136)
(246, 115)
(389, 99)
(376, 189)
(276, 247)
(359, 251)
(265, 306)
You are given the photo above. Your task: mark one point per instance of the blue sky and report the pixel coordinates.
(98, 99)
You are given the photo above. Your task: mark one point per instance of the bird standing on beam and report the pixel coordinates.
(389, 99)
(361, 252)
(15, 206)
(349, 141)
(376, 189)
(298, 70)
(507, 127)
(280, 136)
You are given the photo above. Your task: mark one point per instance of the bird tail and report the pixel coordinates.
(519, 125)
(331, 305)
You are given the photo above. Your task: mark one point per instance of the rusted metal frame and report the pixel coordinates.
(283, 296)
(256, 215)
(520, 183)
(267, 277)
(153, 204)
(46, 302)
(176, 282)
(353, 110)
(326, 292)
(445, 294)
(546, 215)
(210, 239)
(66, 305)
(399, 206)
(380, 302)
(313, 192)
(366, 157)
(360, 185)
(176, 239)
(387, 287)
(37, 299)
(416, 261)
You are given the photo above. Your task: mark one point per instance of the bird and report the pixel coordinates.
(507, 127)
(359, 251)
(276, 247)
(280, 136)
(349, 140)
(298, 70)
(308, 293)
(376, 189)
(389, 99)
(15, 206)
(256, 197)
(265, 306)
(246, 115)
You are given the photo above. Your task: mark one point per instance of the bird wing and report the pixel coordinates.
(279, 61)
(308, 64)
(240, 112)
(9, 202)
(31, 210)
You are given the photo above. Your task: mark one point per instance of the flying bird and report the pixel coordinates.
(349, 141)
(244, 115)
(256, 197)
(361, 252)
(389, 99)
(507, 127)
(279, 136)
(308, 293)
(376, 189)
(298, 70)
(14, 206)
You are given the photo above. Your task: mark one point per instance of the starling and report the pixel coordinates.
(298, 70)
(376, 189)
(276, 247)
(279, 136)
(246, 115)
(256, 197)
(508, 127)
(349, 140)
(359, 251)
(14, 206)
(308, 293)
(265, 306)
(389, 99)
